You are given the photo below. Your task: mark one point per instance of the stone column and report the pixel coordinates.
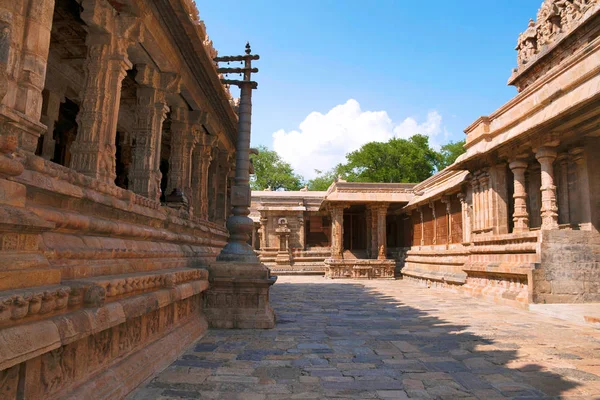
(485, 210)
(446, 200)
(584, 215)
(151, 110)
(26, 66)
(202, 159)
(431, 205)
(301, 232)
(373, 229)
(476, 204)
(422, 227)
(183, 141)
(546, 157)
(263, 233)
(381, 212)
(368, 224)
(93, 152)
(466, 219)
(563, 189)
(52, 112)
(520, 215)
(337, 231)
(222, 178)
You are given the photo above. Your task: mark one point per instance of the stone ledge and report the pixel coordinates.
(499, 268)
(24, 342)
(119, 380)
(443, 276)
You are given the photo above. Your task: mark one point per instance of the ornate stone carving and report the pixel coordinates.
(556, 19)
(93, 152)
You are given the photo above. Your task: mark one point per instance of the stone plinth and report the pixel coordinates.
(360, 269)
(239, 296)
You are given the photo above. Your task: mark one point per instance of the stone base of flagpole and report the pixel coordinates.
(239, 296)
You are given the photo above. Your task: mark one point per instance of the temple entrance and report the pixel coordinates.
(355, 231)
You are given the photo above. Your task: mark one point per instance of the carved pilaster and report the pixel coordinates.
(466, 217)
(337, 230)
(476, 204)
(202, 158)
(381, 212)
(183, 141)
(263, 233)
(583, 215)
(93, 152)
(549, 211)
(563, 188)
(520, 215)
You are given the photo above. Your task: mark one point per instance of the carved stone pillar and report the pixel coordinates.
(54, 101)
(151, 110)
(301, 232)
(484, 185)
(466, 218)
(563, 188)
(27, 62)
(202, 159)
(432, 206)
(549, 211)
(93, 152)
(337, 231)
(381, 231)
(222, 178)
(476, 204)
(422, 227)
(584, 215)
(520, 215)
(263, 233)
(446, 200)
(373, 231)
(368, 224)
(183, 141)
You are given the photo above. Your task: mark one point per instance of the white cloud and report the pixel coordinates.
(322, 141)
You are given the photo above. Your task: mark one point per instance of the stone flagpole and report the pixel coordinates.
(239, 283)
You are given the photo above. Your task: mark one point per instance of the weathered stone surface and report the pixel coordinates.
(449, 346)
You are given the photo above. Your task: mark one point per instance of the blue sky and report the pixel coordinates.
(341, 73)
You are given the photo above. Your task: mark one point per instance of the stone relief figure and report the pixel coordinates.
(58, 367)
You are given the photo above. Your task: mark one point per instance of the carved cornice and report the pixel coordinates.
(199, 62)
(557, 21)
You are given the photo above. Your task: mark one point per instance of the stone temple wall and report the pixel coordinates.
(104, 278)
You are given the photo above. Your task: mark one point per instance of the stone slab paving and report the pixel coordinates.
(386, 340)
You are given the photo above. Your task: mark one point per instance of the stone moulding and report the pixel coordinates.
(360, 269)
(496, 267)
(26, 304)
(126, 341)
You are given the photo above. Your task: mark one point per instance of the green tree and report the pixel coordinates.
(271, 171)
(449, 153)
(323, 180)
(398, 160)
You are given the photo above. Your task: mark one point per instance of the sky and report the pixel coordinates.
(336, 74)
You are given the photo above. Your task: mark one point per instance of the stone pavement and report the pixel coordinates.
(386, 340)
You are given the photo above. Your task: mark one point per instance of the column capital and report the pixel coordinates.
(517, 164)
(545, 152)
(577, 154)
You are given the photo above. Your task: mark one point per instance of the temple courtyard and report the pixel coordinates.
(381, 339)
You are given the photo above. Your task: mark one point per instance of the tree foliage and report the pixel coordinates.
(398, 160)
(271, 171)
(323, 180)
(449, 153)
